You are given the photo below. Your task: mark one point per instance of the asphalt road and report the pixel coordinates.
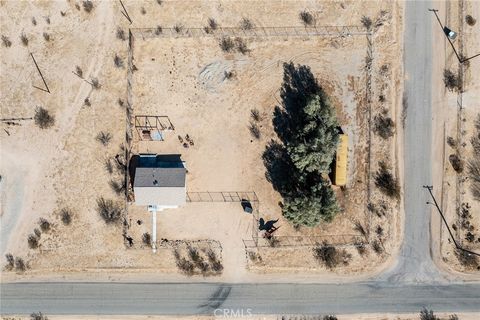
(410, 285)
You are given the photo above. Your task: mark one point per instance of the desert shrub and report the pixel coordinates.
(20, 264)
(470, 237)
(366, 22)
(79, 71)
(6, 41)
(358, 227)
(110, 211)
(143, 11)
(255, 114)
(178, 28)
(385, 181)
(87, 6)
(212, 24)
(120, 102)
(185, 266)
(216, 264)
(453, 317)
(44, 224)
(159, 2)
(37, 232)
(306, 18)
(246, 24)
(451, 142)
(456, 163)
(273, 242)
(361, 248)
(121, 34)
(470, 20)
(117, 187)
(427, 315)
(32, 241)
(24, 39)
(330, 317)
(384, 126)
(379, 231)
(158, 30)
(87, 102)
(46, 36)
(10, 261)
(241, 46)
(47, 20)
(118, 61)
(377, 247)
(34, 21)
(451, 81)
(108, 165)
(475, 140)
(254, 130)
(43, 119)
(474, 175)
(147, 238)
(327, 254)
(227, 44)
(95, 83)
(63, 13)
(66, 216)
(229, 74)
(104, 137)
(38, 316)
(194, 254)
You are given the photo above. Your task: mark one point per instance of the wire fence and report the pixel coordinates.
(336, 240)
(257, 32)
(222, 196)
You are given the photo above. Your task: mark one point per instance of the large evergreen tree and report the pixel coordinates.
(307, 127)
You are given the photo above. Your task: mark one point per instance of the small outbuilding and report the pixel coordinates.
(160, 180)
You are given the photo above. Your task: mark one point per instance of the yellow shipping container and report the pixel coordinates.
(340, 176)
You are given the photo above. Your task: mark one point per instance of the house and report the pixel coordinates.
(159, 180)
(340, 169)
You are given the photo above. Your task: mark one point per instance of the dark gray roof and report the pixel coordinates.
(159, 171)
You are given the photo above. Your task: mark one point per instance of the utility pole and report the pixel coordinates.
(41, 75)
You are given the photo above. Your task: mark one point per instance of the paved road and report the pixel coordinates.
(410, 285)
(111, 298)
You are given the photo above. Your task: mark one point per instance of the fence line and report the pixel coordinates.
(199, 32)
(222, 196)
(337, 240)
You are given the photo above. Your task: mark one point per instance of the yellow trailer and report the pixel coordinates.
(340, 176)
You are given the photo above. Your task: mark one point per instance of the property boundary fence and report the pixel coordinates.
(257, 32)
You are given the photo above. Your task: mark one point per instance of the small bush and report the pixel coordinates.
(255, 114)
(10, 261)
(361, 248)
(43, 119)
(246, 24)
(254, 130)
(87, 102)
(121, 34)
(47, 20)
(79, 71)
(34, 21)
(451, 142)
(359, 227)
(38, 316)
(46, 36)
(451, 81)
(147, 238)
(384, 126)
(20, 264)
(87, 6)
(241, 46)
(330, 317)
(367, 22)
(427, 315)
(158, 30)
(306, 18)
(143, 11)
(226, 44)
(185, 266)
(470, 20)
(6, 42)
(104, 137)
(385, 181)
(456, 163)
(32, 241)
(37, 232)
(95, 83)
(214, 261)
(44, 224)
(229, 75)
(117, 187)
(118, 61)
(66, 216)
(108, 165)
(212, 24)
(159, 2)
(178, 28)
(110, 211)
(327, 254)
(24, 39)
(474, 176)
(377, 247)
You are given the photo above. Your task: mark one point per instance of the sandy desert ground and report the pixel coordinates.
(46, 170)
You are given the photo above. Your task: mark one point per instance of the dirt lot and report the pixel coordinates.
(183, 78)
(458, 204)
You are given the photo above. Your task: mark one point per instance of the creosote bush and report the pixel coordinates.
(384, 126)
(255, 114)
(246, 24)
(456, 163)
(44, 224)
(95, 83)
(32, 241)
(471, 21)
(66, 216)
(227, 44)
(87, 6)
(367, 22)
(43, 119)
(178, 28)
(306, 18)
(331, 256)
(6, 41)
(254, 130)
(104, 137)
(385, 181)
(158, 30)
(451, 81)
(147, 238)
(110, 211)
(24, 39)
(241, 46)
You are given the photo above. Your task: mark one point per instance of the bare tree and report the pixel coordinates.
(255, 114)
